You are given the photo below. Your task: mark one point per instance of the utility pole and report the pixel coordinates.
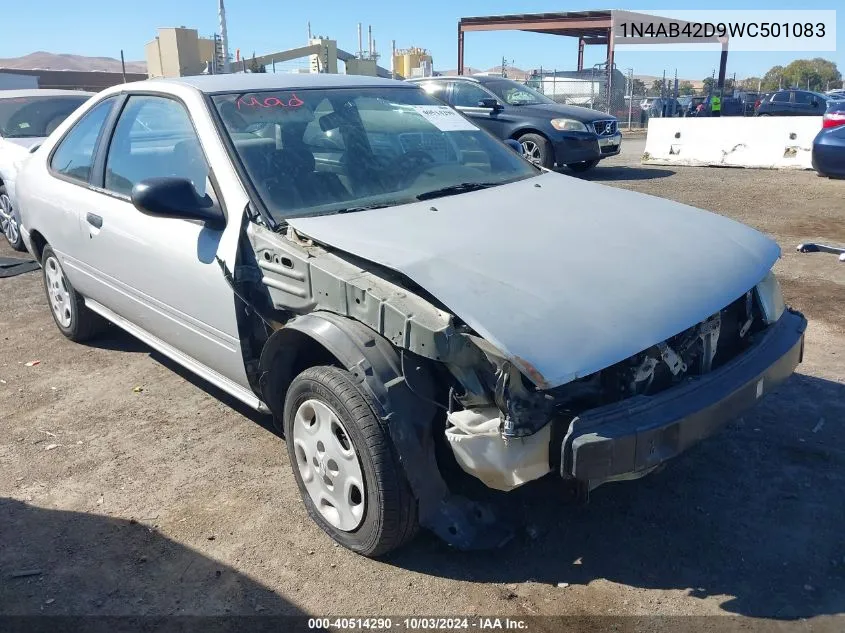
(504, 66)
(630, 95)
(674, 94)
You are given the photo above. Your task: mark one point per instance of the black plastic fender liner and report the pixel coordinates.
(376, 365)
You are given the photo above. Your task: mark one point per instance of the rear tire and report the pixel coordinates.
(72, 316)
(583, 166)
(538, 150)
(357, 452)
(9, 225)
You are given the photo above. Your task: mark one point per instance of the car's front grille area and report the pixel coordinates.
(605, 128)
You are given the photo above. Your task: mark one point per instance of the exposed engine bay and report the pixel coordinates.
(523, 417)
(498, 420)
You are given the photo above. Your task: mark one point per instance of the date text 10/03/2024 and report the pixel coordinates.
(420, 623)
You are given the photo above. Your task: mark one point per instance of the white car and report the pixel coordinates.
(27, 117)
(382, 275)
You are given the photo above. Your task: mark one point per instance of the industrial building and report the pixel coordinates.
(178, 52)
(413, 62)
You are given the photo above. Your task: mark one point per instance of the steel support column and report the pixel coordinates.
(460, 50)
(580, 53)
(610, 62)
(723, 66)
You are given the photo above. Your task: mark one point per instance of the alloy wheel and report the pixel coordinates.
(532, 152)
(8, 223)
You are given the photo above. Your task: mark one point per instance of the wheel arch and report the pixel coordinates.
(324, 338)
(406, 412)
(38, 243)
(529, 130)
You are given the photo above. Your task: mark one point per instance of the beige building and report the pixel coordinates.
(178, 52)
(366, 67)
(413, 62)
(326, 60)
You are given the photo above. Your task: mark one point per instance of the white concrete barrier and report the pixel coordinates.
(761, 142)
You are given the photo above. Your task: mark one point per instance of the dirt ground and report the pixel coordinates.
(127, 486)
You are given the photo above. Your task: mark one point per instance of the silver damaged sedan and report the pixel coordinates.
(412, 300)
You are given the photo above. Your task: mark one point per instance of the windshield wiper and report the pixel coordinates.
(463, 187)
(363, 207)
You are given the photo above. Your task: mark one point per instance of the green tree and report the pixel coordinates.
(255, 67)
(749, 84)
(656, 88)
(811, 74)
(638, 87)
(685, 88)
(773, 79)
(816, 74)
(708, 82)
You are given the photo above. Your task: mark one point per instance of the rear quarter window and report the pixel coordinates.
(74, 155)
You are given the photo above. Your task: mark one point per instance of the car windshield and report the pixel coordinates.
(318, 151)
(514, 93)
(33, 117)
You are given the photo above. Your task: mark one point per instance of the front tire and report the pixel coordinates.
(72, 316)
(345, 464)
(538, 150)
(583, 166)
(9, 224)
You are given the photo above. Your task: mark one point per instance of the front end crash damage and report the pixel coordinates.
(506, 425)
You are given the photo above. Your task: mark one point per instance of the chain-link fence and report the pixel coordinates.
(587, 88)
(632, 100)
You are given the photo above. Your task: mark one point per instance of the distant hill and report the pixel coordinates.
(42, 60)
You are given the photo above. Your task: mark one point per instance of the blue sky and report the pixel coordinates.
(104, 27)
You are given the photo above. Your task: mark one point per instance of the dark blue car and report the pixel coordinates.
(550, 133)
(829, 144)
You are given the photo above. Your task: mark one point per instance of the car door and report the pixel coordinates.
(161, 274)
(66, 190)
(802, 104)
(466, 95)
(780, 103)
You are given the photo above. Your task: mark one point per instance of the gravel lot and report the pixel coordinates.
(135, 488)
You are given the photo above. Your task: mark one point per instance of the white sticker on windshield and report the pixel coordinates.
(444, 118)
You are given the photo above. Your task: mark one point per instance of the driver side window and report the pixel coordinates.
(467, 95)
(154, 138)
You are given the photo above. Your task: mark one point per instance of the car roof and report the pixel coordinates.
(42, 92)
(252, 82)
(479, 79)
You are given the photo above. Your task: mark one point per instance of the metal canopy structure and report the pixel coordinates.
(590, 27)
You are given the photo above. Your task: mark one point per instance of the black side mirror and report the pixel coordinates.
(176, 198)
(489, 103)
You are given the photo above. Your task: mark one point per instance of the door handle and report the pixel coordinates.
(94, 220)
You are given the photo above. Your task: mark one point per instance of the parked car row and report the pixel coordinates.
(550, 133)
(386, 278)
(793, 103)
(27, 117)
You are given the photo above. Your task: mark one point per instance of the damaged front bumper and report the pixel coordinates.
(631, 438)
